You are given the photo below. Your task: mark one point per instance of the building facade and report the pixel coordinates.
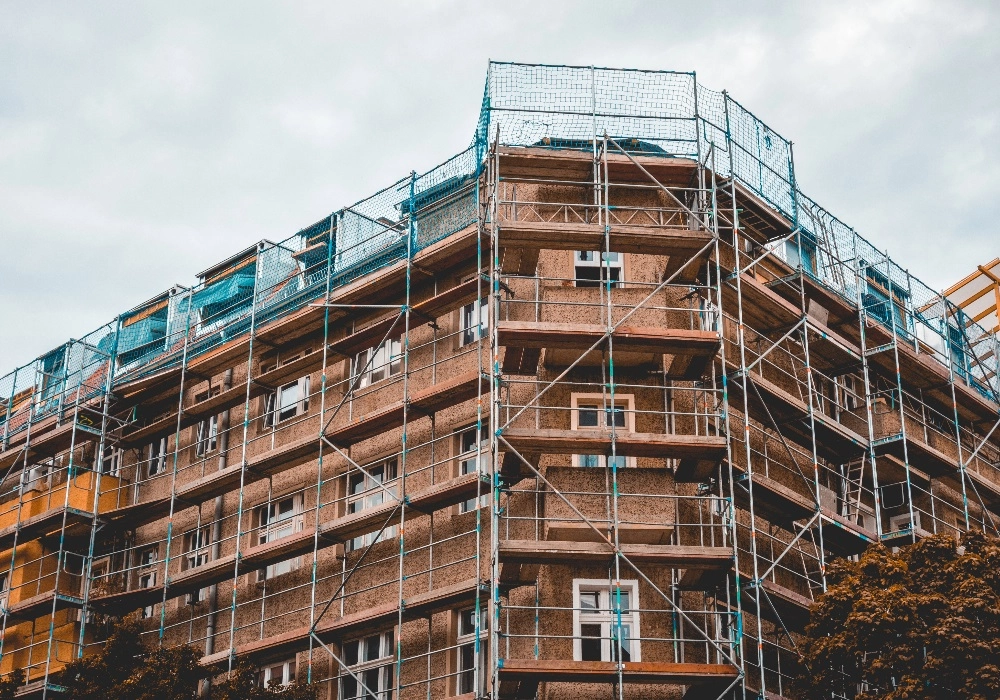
(583, 412)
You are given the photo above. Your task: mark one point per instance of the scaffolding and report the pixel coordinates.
(590, 405)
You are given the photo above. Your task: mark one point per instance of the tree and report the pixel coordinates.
(242, 685)
(923, 624)
(126, 669)
(10, 684)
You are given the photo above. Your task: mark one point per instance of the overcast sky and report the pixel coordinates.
(141, 142)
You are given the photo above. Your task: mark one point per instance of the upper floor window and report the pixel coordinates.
(595, 412)
(157, 463)
(473, 458)
(591, 268)
(605, 621)
(369, 659)
(474, 321)
(378, 363)
(468, 658)
(196, 553)
(371, 488)
(111, 461)
(147, 575)
(288, 401)
(275, 521)
(207, 438)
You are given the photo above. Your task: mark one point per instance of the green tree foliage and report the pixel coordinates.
(923, 624)
(125, 669)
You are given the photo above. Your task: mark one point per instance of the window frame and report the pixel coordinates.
(197, 551)
(464, 640)
(366, 497)
(157, 455)
(470, 333)
(289, 668)
(597, 263)
(464, 456)
(582, 401)
(606, 616)
(205, 444)
(384, 665)
(267, 531)
(273, 413)
(386, 361)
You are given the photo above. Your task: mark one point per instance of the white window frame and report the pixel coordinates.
(4, 590)
(372, 495)
(273, 525)
(207, 438)
(146, 562)
(471, 460)
(592, 259)
(111, 460)
(600, 402)
(465, 641)
(281, 674)
(157, 463)
(197, 552)
(386, 361)
(279, 408)
(382, 667)
(606, 616)
(470, 330)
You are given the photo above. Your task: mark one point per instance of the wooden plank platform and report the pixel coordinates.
(41, 606)
(921, 455)
(519, 678)
(699, 455)
(331, 627)
(442, 495)
(42, 524)
(123, 602)
(692, 350)
(679, 244)
(774, 501)
(520, 559)
(834, 440)
(429, 400)
(429, 309)
(778, 604)
(843, 537)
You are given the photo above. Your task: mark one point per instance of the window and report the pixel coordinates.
(474, 321)
(196, 553)
(591, 269)
(594, 412)
(470, 461)
(146, 560)
(157, 457)
(288, 401)
(278, 674)
(370, 491)
(111, 461)
(466, 654)
(371, 660)
(208, 436)
(3, 591)
(276, 521)
(877, 301)
(378, 363)
(605, 621)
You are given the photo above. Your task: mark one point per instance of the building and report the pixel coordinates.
(584, 411)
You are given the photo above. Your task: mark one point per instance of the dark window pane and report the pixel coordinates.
(588, 416)
(590, 643)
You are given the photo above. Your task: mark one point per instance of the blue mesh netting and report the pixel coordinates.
(659, 112)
